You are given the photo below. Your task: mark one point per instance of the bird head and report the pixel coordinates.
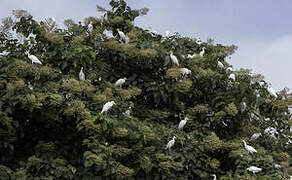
(203, 48)
(186, 118)
(214, 175)
(113, 102)
(125, 78)
(174, 137)
(171, 52)
(243, 141)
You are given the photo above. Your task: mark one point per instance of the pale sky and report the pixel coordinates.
(262, 30)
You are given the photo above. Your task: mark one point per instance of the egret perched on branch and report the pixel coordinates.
(214, 175)
(81, 75)
(173, 59)
(120, 82)
(255, 136)
(198, 41)
(127, 112)
(220, 65)
(170, 143)
(229, 69)
(243, 106)
(249, 148)
(232, 76)
(107, 106)
(33, 58)
(185, 71)
(90, 27)
(123, 36)
(182, 123)
(254, 169)
(202, 52)
(272, 91)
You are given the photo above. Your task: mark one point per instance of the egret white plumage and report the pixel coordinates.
(33, 59)
(170, 143)
(243, 106)
(271, 131)
(232, 76)
(81, 75)
(272, 91)
(254, 169)
(107, 106)
(255, 136)
(220, 65)
(191, 56)
(127, 112)
(120, 82)
(173, 59)
(202, 52)
(30, 86)
(198, 41)
(166, 34)
(182, 123)
(90, 27)
(214, 175)
(229, 69)
(277, 166)
(122, 35)
(249, 148)
(185, 71)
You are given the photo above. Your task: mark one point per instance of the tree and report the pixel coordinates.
(50, 121)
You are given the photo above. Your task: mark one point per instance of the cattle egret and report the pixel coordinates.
(123, 36)
(220, 65)
(107, 106)
(185, 71)
(182, 123)
(166, 34)
(232, 76)
(127, 112)
(198, 41)
(170, 143)
(272, 91)
(202, 52)
(229, 69)
(214, 175)
(277, 166)
(30, 86)
(90, 27)
(255, 136)
(243, 106)
(191, 56)
(120, 82)
(33, 59)
(81, 75)
(173, 59)
(249, 148)
(254, 169)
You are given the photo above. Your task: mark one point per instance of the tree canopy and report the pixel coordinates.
(51, 125)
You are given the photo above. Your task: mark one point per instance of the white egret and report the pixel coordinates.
(123, 36)
(182, 123)
(243, 106)
(127, 112)
(90, 27)
(232, 76)
(191, 56)
(214, 175)
(166, 34)
(198, 41)
(229, 69)
(202, 52)
(173, 59)
(81, 75)
(220, 65)
(120, 82)
(271, 131)
(33, 59)
(255, 136)
(30, 86)
(185, 71)
(249, 148)
(170, 143)
(254, 169)
(107, 106)
(277, 166)
(272, 91)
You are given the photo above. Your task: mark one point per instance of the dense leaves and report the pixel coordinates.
(50, 121)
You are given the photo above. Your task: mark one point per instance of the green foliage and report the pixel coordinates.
(50, 121)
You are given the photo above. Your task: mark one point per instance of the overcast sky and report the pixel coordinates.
(262, 30)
